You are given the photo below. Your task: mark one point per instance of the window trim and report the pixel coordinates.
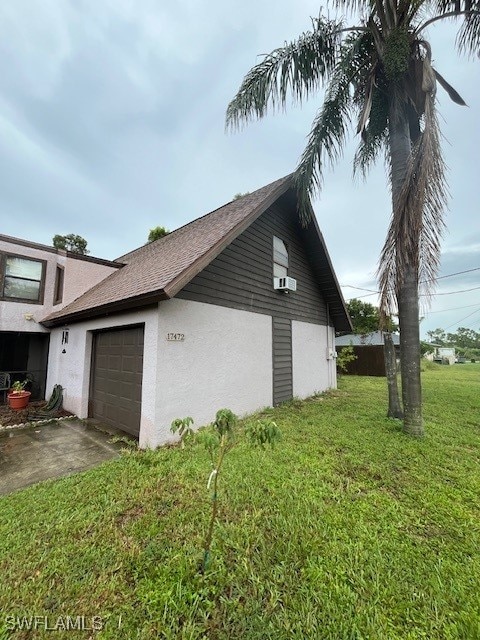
(3, 268)
(59, 284)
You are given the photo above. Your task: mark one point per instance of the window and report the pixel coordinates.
(22, 279)
(280, 258)
(58, 292)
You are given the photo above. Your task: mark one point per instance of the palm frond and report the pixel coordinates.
(297, 69)
(468, 38)
(467, 12)
(375, 134)
(328, 134)
(327, 138)
(417, 225)
(352, 7)
(368, 152)
(454, 95)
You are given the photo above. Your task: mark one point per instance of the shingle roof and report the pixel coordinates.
(160, 269)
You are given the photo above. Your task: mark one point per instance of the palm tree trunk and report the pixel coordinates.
(394, 406)
(407, 286)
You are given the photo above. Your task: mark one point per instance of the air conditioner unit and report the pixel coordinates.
(285, 284)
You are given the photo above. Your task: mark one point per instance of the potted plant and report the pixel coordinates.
(18, 398)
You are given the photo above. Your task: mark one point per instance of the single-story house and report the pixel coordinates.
(236, 309)
(375, 338)
(368, 349)
(443, 355)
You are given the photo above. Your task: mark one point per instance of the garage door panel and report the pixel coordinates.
(129, 363)
(114, 362)
(116, 382)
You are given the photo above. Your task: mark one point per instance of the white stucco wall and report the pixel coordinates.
(225, 361)
(72, 368)
(312, 371)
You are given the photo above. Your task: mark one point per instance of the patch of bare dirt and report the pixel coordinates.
(10, 417)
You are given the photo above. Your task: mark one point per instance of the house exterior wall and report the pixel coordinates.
(314, 367)
(72, 368)
(12, 314)
(225, 361)
(282, 360)
(80, 275)
(444, 354)
(241, 277)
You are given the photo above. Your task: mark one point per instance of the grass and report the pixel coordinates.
(349, 529)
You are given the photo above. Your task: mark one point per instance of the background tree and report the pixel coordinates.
(464, 338)
(156, 233)
(437, 336)
(71, 242)
(379, 70)
(366, 317)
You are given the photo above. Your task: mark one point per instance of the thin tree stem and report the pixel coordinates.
(209, 536)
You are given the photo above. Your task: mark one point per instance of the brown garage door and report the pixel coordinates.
(116, 380)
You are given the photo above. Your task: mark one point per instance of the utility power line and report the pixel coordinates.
(447, 293)
(468, 306)
(426, 295)
(462, 319)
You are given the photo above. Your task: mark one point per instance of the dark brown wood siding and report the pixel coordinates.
(282, 360)
(116, 378)
(241, 277)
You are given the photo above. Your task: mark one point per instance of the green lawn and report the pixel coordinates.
(348, 530)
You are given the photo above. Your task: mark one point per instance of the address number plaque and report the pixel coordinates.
(175, 337)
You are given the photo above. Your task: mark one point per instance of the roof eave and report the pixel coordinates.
(106, 309)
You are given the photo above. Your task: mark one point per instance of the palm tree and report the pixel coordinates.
(380, 72)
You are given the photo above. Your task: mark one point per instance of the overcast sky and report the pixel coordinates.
(112, 122)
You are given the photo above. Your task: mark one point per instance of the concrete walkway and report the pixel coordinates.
(37, 453)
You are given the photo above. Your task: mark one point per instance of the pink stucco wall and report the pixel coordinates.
(80, 275)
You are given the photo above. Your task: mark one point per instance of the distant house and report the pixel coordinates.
(237, 309)
(368, 349)
(365, 339)
(442, 355)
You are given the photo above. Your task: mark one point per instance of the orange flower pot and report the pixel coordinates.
(18, 399)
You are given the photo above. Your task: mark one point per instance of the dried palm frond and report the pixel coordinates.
(417, 225)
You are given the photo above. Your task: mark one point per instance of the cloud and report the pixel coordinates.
(112, 122)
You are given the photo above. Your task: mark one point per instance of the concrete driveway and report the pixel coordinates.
(53, 450)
